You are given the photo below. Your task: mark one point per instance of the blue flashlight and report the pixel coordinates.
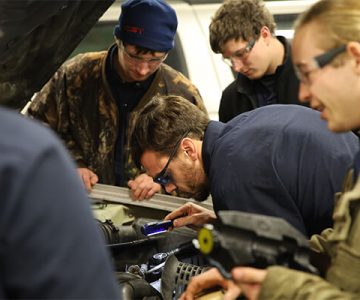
(153, 228)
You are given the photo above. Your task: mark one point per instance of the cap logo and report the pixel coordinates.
(133, 29)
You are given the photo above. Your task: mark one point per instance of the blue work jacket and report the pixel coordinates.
(278, 160)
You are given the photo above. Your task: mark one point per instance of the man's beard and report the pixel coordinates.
(199, 191)
(202, 192)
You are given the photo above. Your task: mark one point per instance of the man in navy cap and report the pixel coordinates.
(93, 100)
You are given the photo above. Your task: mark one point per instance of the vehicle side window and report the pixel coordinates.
(285, 21)
(99, 38)
(176, 58)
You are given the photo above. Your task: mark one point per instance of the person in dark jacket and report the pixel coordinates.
(243, 31)
(92, 100)
(278, 160)
(50, 245)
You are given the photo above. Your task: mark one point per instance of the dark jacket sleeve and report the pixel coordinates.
(233, 103)
(51, 246)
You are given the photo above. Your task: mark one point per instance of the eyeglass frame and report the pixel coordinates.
(318, 62)
(138, 59)
(162, 178)
(239, 56)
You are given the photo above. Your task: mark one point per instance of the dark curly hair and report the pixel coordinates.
(239, 19)
(162, 122)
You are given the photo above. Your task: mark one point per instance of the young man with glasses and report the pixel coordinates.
(243, 32)
(92, 101)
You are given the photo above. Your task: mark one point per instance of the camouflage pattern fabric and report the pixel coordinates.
(78, 105)
(342, 244)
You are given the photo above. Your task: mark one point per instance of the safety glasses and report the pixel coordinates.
(164, 177)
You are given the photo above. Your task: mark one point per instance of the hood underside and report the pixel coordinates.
(36, 37)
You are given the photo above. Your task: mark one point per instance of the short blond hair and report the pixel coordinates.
(338, 20)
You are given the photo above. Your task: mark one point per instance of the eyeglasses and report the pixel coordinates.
(240, 54)
(303, 71)
(135, 59)
(162, 177)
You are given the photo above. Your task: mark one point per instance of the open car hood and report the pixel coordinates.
(36, 37)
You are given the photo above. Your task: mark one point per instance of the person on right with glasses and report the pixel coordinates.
(326, 54)
(243, 32)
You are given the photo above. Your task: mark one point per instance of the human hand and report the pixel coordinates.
(88, 177)
(143, 187)
(210, 279)
(249, 280)
(191, 214)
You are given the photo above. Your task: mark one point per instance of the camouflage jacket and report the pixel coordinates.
(77, 103)
(342, 244)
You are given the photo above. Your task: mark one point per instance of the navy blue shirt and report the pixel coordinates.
(265, 90)
(50, 244)
(278, 160)
(127, 96)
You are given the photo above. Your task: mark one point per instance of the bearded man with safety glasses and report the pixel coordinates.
(277, 160)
